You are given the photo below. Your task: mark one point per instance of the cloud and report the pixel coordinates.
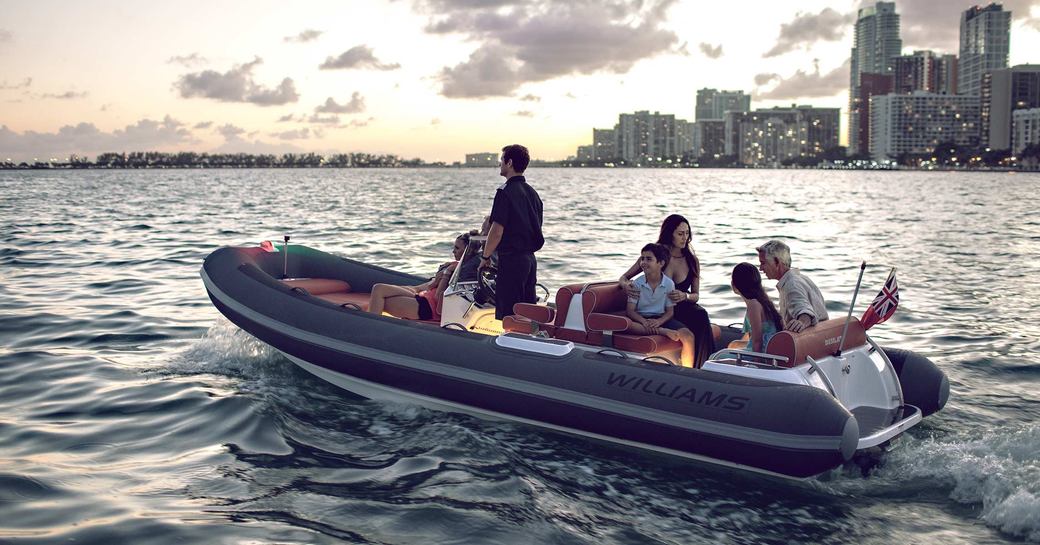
(710, 51)
(6, 36)
(230, 132)
(805, 84)
(357, 123)
(4, 86)
(764, 79)
(524, 113)
(484, 74)
(308, 35)
(359, 56)
(67, 95)
(523, 41)
(806, 29)
(435, 121)
(356, 105)
(325, 120)
(236, 85)
(87, 139)
(530, 98)
(188, 61)
(298, 134)
(203, 125)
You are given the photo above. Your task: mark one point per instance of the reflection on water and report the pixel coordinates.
(128, 406)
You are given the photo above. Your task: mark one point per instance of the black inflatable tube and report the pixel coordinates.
(924, 385)
(786, 429)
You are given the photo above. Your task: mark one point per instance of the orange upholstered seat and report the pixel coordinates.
(530, 318)
(341, 298)
(318, 286)
(587, 313)
(816, 342)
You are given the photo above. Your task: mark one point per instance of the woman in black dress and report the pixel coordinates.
(685, 270)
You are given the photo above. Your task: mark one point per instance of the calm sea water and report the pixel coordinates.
(131, 410)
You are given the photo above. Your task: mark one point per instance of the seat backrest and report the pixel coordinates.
(564, 296)
(602, 297)
(575, 302)
(318, 286)
(816, 342)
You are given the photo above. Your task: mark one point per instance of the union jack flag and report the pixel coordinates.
(884, 305)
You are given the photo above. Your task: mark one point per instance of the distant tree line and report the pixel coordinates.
(188, 159)
(945, 154)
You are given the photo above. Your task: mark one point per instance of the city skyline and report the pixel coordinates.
(336, 78)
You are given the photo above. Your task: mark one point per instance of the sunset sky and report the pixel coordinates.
(433, 79)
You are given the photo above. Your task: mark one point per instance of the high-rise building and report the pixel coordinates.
(1003, 92)
(1027, 129)
(875, 43)
(481, 159)
(604, 143)
(684, 138)
(946, 75)
(710, 139)
(633, 136)
(915, 72)
(585, 153)
(985, 39)
(917, 122)
(925, 71)
(870, 85)
(644, 138)
(713, 104)
(767, 137)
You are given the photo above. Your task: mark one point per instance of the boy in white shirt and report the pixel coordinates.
(651, 312)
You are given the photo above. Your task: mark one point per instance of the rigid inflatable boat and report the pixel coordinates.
(804, 406)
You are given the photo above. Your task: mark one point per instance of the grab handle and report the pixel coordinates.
(659, 360)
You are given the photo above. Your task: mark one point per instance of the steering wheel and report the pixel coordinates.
(485, 293)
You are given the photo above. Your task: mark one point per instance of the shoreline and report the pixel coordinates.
(66, 166)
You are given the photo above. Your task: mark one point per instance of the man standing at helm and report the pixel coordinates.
(801, 303)
(516, 233)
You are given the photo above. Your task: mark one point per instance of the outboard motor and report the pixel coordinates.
(924, 385)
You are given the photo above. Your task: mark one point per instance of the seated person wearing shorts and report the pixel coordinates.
(421, 302)
(651, 312)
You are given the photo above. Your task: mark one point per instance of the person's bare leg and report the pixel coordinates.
(402, 307)
(382, 294)
(688, 346)
(636, 329)
(685, 336)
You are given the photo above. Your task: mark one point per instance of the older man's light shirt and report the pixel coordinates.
(799, 295)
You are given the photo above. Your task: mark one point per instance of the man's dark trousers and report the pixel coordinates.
(517, 276)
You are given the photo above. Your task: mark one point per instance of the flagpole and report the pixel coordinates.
(844, 330)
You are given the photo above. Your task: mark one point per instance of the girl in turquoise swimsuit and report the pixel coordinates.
(761, 321)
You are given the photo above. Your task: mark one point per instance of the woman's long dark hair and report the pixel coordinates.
(668, 227)
(748, 282)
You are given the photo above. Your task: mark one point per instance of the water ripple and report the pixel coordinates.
(130, 407)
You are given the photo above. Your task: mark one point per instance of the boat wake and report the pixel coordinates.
(996, 474)
(1000, 471)
(227, 350)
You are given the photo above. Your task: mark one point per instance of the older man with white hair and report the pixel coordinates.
(801, 303)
